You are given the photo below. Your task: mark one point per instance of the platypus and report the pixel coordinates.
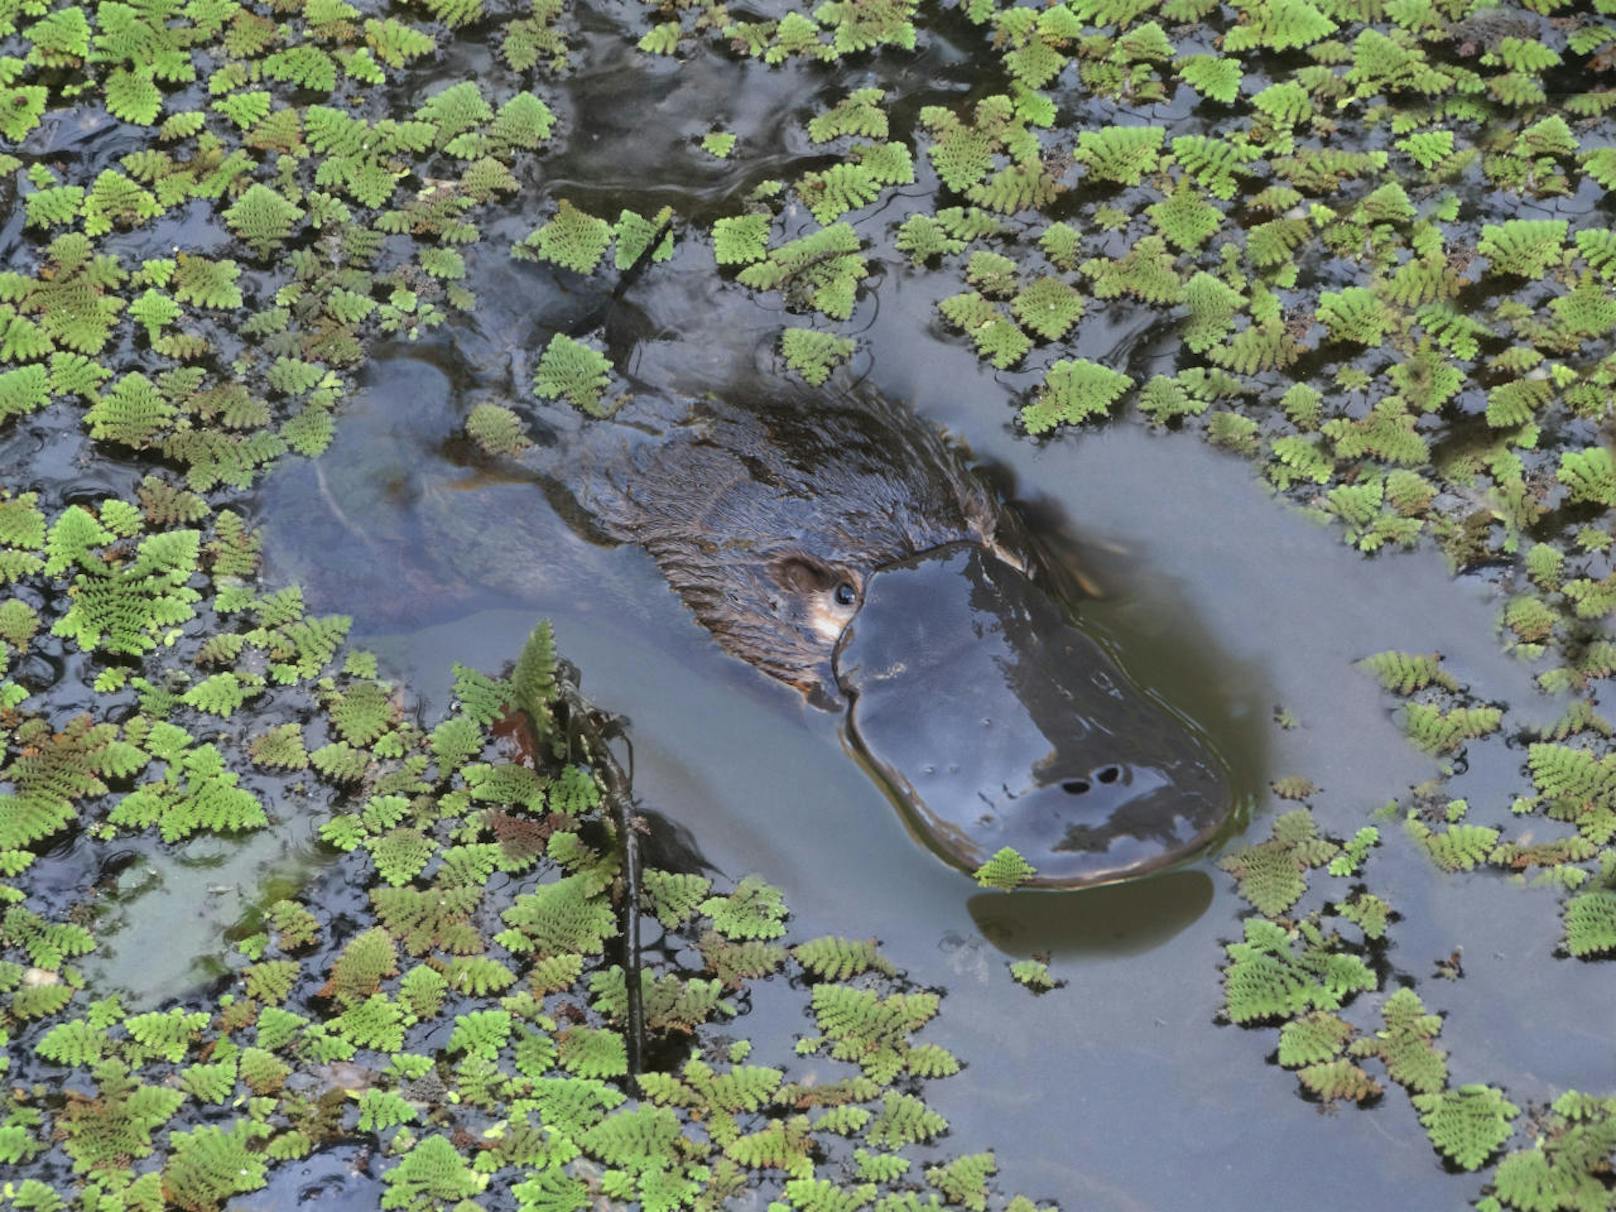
(838, 543)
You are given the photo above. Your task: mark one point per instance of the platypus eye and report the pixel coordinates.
(846, 595)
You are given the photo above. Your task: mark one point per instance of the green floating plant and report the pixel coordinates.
(1272, 874)
(1565, 1162)
(859, 113)
(1406, 1046)
(1315, 1047)
(497, 430)
(855, 183)
(1073, 391)
(1277, 973)
(1005, 870)
(820, 271)
(1034, 974)
(1590, 924)
(996, 161)
(1339, 322)
(575, 372)
(573, 240)
(998, 339)
(1121, 154)
(1406, 673)
(1467, 1125)
(813, 354)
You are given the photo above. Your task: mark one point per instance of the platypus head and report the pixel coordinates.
(843, 547)
(997, 722)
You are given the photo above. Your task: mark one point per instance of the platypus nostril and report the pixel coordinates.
(1075, 786)
(1110, 774)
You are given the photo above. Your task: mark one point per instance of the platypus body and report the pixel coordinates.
(838, 543)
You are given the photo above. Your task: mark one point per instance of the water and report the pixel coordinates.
(1120, 1090)
(1227, 602)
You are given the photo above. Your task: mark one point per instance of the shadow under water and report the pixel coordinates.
(1115, 919)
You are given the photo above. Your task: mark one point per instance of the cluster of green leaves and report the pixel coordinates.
(119, 582)
(1445, 379)
(1574, 784)
(824, 34)
(994, 158)
(1047, 305)
(450, 833)
(1362, 309)
(309, 192)
(578, 241)
(1297, 973)
(304, 187)
(1271, 874)
(820, 271)
(857, 181)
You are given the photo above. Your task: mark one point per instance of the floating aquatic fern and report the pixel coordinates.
(813, 354)
(573, 371)
(432, 1174)
(1073, 391)
(837, 959)
(573, 240)
(998, 339)
(1272, 873)
(1005, 870)
(1407, 1046)
(1277, 973)
(1459, 847)
(755, 910)
(820, 271)
(858, 113)
(1524, 248)
(1121, 154)
(1467, 1125)
(78, 323)
(1406, 672)
(1590, 924)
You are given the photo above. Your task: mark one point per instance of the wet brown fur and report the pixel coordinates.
(744, 503)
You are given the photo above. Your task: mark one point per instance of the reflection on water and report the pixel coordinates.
(167, 914)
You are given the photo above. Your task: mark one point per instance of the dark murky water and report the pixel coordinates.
(1118, 1091)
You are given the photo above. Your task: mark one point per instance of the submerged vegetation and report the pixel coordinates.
(1383, 247)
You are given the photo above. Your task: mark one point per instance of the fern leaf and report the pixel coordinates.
(1524, 248)
(1590, 924)
(1467, 1125)
(1121, 154)
(837, 959)
(576, 372)
(208, 1165)
(814, 354)
(433, 1173)
(1072, 392)
(1589, 475)
(23, 391)
(572, 239)
(755, 910)
(859, 113)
